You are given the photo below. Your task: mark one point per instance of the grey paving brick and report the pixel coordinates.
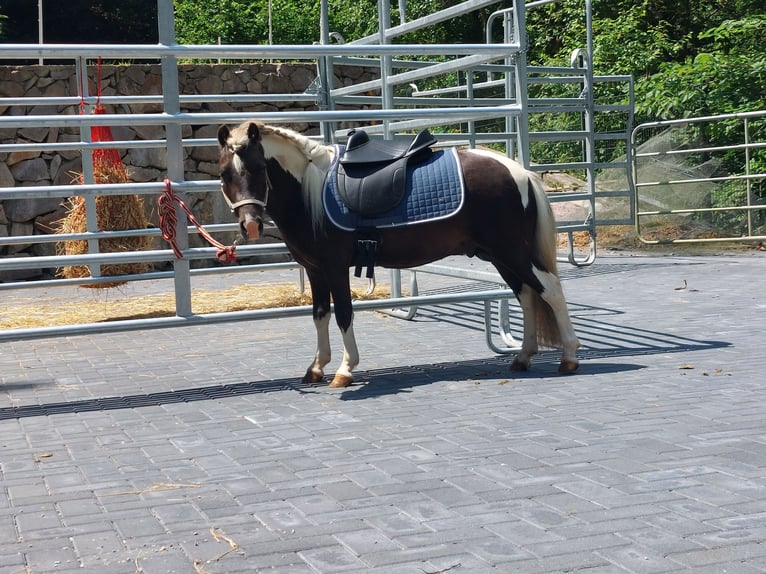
(731, 554)
(589, 562)
(332, 559)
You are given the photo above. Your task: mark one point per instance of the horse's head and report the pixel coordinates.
(244, 182)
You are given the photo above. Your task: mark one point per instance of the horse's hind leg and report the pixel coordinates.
(540, 295)
(553, 294)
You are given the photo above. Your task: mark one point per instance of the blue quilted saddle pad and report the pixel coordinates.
(435, 190)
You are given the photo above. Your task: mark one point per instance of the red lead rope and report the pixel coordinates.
(167, 217)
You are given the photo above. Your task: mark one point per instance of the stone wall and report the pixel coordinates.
(38, 216)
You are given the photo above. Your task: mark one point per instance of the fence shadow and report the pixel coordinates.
(601, 338)
(598, 328)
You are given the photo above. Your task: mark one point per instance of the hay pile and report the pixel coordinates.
(60, 311)
(113, 213)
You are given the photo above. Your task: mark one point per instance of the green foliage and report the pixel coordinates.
(627, 43)
(729, 76)
(247, 21)
(710, 83)
(230, 21)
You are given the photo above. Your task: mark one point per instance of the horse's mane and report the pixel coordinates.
(318, 157)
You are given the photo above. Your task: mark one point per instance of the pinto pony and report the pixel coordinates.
(504, 218)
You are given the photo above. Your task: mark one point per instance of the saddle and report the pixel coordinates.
(372, 174)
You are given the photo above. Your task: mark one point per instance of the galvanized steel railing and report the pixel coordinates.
(705, 201)
(394, 112)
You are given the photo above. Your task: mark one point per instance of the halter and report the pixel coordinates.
(249, 200)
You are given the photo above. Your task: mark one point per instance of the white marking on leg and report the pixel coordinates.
(350, 354)
(553, 294)
(323, 353)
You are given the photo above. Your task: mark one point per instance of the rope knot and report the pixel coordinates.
(168, 220)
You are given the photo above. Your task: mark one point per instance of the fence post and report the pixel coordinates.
(175, 160)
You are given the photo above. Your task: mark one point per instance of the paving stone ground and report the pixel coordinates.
(198, 450)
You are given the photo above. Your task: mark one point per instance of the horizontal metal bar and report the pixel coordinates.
(557, 104)
(293, 116)
(82, 145)
(413, 101)
(148, 276)
(438, 120)
(426, 21)
(152, 187)
(150, 256)
(421, 73)
(701, 119)
(235, 51)
(702, 180)
(460, 88)
(569, 227)
(576, 135)
(562, 196)
(101, 235)
(672, 152)
(155, 99)
(700, 210)
(705, 240)
(239, 316)
(534, 80)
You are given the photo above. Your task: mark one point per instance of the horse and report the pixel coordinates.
(505, 219)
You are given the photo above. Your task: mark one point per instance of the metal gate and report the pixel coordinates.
(462, 108)
(704, 193)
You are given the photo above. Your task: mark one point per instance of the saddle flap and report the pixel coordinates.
(374, 192)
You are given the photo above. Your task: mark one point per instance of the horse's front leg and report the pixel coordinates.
(344, 316)
(321, 312)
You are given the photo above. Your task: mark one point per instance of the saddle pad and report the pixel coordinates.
(435, 190)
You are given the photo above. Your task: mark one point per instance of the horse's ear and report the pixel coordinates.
(253, 133)
(223, 135)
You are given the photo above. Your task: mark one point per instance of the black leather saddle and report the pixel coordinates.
(372, 174)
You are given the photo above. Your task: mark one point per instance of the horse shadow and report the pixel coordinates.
(603, 341)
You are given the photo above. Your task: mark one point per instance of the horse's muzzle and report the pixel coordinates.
(251, 227)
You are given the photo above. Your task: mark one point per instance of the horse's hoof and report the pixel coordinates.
(519, 366)
(313, 377)
(568, 367)
(341, 381)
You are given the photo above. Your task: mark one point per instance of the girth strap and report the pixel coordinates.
(366, 252)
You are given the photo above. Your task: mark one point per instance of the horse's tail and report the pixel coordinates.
(548, 334)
